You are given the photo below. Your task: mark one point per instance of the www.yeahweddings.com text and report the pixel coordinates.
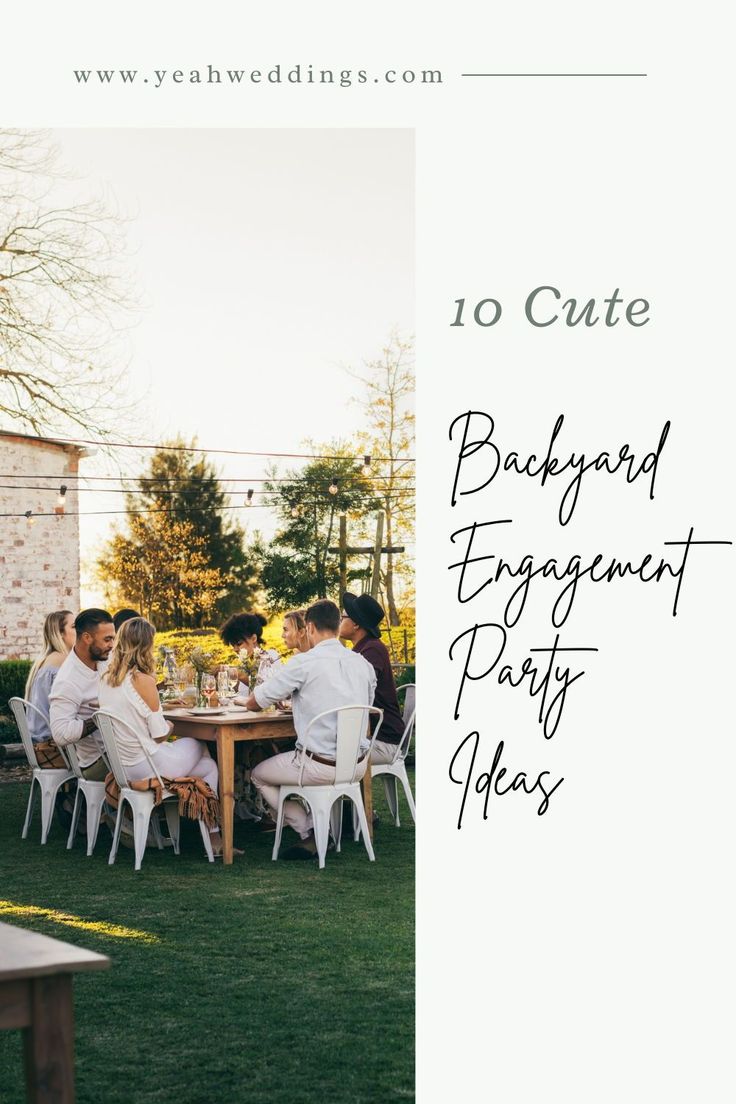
(484, 765)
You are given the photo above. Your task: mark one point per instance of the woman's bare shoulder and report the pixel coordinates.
(145, 685)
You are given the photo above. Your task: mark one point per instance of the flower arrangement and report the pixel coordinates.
(201, 661)
(249, 665)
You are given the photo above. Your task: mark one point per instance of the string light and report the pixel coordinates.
(192, 448)
(333, 487)
(249, 497)
(160, 491)
(149, 510)
(152, 481)
(29, 518)
(61, 500)
(366, 464)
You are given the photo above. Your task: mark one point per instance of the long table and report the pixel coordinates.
(234, 726)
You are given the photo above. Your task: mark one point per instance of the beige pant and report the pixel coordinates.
(383, 753)
(97, 771)
(284, 768)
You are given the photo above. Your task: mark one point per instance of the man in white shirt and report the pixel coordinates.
(325, 677)
(74, 695)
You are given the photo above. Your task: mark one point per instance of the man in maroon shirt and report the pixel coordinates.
(359, 625)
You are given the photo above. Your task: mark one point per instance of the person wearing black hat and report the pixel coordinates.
(359, 625)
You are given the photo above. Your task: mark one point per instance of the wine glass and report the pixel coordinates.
(233, 678)
(208, 687)
(223, 686)
(189, 695)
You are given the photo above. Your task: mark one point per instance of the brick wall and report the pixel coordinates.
(39, 563)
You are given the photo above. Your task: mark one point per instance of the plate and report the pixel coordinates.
(206, 711)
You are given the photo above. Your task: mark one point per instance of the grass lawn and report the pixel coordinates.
(260, 983)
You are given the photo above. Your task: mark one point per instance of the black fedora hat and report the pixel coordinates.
(364, 611)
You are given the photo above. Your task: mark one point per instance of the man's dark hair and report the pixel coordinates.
(122, 616)
(89, 619)
(324, 615)
(242, 625)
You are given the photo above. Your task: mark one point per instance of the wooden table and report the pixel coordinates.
(231, 727)
(36, 995)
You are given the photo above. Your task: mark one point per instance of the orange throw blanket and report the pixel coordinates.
(48, 756)
(196, 799)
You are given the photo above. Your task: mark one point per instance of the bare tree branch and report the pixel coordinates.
(64, 303)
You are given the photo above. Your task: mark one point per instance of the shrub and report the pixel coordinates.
(13, 675)
(401, 642)
(184, 641)
(404, 675)
(9, 733)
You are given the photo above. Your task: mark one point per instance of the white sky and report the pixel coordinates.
(266, 260)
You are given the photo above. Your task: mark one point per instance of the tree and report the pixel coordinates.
(163, 570)
(298, 566)
(178, 490)
(389, 383)
(61, 296)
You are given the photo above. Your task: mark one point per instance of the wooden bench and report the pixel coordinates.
(36, 995)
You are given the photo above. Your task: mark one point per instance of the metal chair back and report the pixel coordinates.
(409, 714)
(20, 708)
(107, 723)
(352, 724)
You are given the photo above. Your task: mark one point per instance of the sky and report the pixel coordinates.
(264, 263)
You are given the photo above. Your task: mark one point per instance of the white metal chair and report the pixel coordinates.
(409, 691)
(49, 780)
(325, 801)
(93, 795)
(140, 802)
(395, 771)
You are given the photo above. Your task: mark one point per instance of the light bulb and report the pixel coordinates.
(333, 488)
(249, 497)
(366, 464)
(61, 500)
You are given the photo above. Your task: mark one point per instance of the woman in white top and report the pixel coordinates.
(128, 691)
(58, 639)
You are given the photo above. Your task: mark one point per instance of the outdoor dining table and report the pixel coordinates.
(234, 725)
(36, 996)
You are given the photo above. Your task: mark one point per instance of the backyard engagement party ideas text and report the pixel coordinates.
(551, 668)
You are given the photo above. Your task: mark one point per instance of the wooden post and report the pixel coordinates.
(376, 579)
(343, 553)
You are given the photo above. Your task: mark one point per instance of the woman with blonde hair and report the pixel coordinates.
(58, 640)
(294, 631)
(128, 691)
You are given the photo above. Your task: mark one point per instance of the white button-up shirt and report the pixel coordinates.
(327, 676)
(73, 700)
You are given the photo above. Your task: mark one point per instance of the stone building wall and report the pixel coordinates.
(39, 563)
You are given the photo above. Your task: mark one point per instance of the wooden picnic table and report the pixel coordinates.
(36, 996)
(234, 726)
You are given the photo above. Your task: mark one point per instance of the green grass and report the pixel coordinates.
(266, 983)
